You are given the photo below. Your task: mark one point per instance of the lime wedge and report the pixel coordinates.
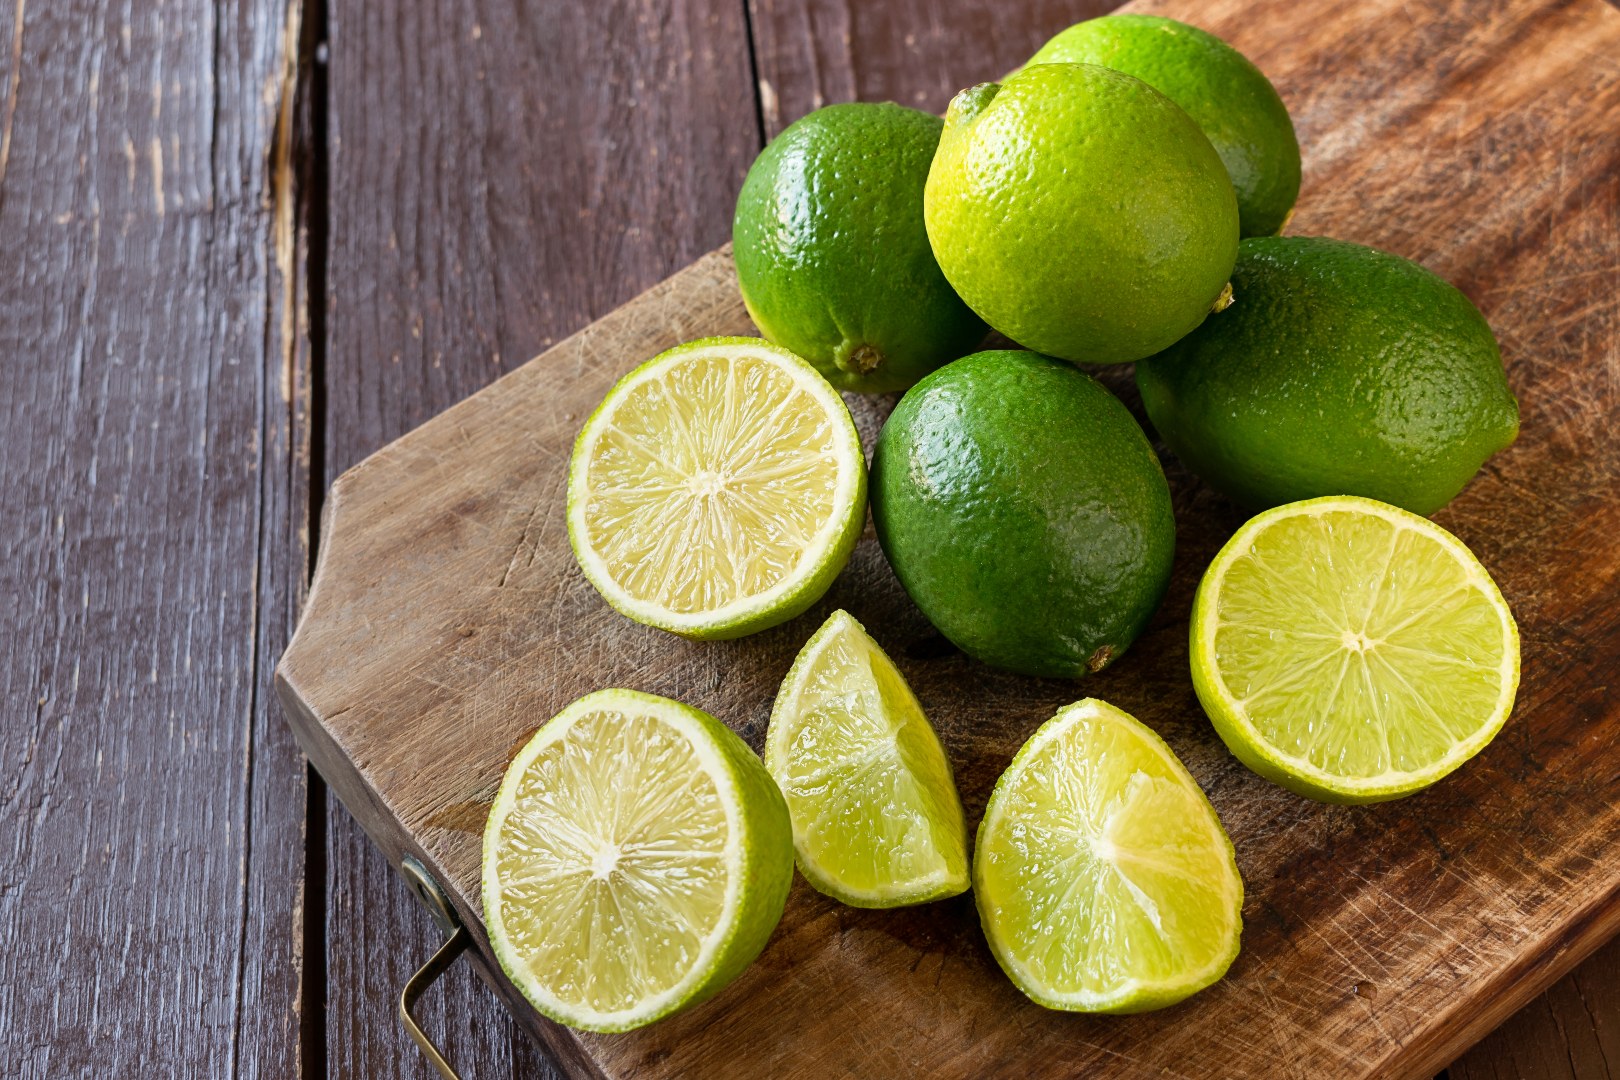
(876, 818)
(717, 490)
(1351, 651)
(637, 858)
(1104, 880)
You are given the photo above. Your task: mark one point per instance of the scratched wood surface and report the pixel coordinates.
(152, 803)
(1379, 941)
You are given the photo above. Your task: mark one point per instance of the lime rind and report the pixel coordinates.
(757, 855)
(903, 766)
(818, 560)
(1295, 770)
(1192, 829)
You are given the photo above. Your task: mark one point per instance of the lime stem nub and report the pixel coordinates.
(971, 102)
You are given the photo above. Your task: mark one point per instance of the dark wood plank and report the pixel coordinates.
(502, 172)
(912, 52)
(151, 811)
(1572, 1032)
(1378, 940)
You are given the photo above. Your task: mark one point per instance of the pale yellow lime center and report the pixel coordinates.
(611, 862)
(710, 482)
(1361, 645)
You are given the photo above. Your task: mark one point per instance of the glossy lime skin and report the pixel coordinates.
(1231, 100)
(1338, 370)
(831, 253)
(1024, 512)
(1081, 212)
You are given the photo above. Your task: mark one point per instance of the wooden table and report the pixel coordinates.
(244, 246)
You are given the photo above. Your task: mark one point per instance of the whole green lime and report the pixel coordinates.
(1081, 212)
(831, 253)
(1337, 370)
(1234, 104)
(1024, 512)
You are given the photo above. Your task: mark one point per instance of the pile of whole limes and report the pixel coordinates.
(1114, 200)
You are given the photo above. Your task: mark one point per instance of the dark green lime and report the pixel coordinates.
(1024, 511)
(832, 256)
(1337, 370)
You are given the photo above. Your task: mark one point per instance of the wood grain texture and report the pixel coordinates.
(911, 52)
(501, 173)
(1572, 1032)
(1475, 138)
(150, 811)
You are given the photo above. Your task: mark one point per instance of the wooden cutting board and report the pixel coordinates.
(447, 621)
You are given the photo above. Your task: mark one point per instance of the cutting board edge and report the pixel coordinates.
(384, 828)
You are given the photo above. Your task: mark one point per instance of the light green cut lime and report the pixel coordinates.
(1104, 880)
(636, 859)
(1352, 651)
(717, 490)
(876, 818)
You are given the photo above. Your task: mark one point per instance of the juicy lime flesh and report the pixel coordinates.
(876, 817)
(712, 482)
(1103, 875)
(611, 862)
(1361, 645)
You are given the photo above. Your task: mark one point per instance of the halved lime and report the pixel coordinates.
(876, 818)
(636, 859)
(1104, 880)
(717, 490)
(1352, 651)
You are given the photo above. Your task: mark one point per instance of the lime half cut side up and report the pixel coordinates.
(717, 490)
(636, 859)
(1104, 880)
(876, 818)
(1352, 651)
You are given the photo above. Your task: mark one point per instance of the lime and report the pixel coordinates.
(636, 859)
(1104, 880)
(1351, 651)
(1234, 104)
(1338, 370)
(717, 490)
(831, 254)
(1080, 212)
(1024, 512)
(876, 818)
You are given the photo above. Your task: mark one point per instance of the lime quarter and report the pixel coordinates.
(876, 818)
(1104, 880)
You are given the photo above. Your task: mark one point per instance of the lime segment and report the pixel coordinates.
(717, 490)
(1352, 651)
(636, 859)
(876, 818)
(1104, 880)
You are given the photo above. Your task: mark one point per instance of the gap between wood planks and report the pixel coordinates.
(299, 174)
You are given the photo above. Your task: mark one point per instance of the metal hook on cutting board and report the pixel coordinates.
(428, 891)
